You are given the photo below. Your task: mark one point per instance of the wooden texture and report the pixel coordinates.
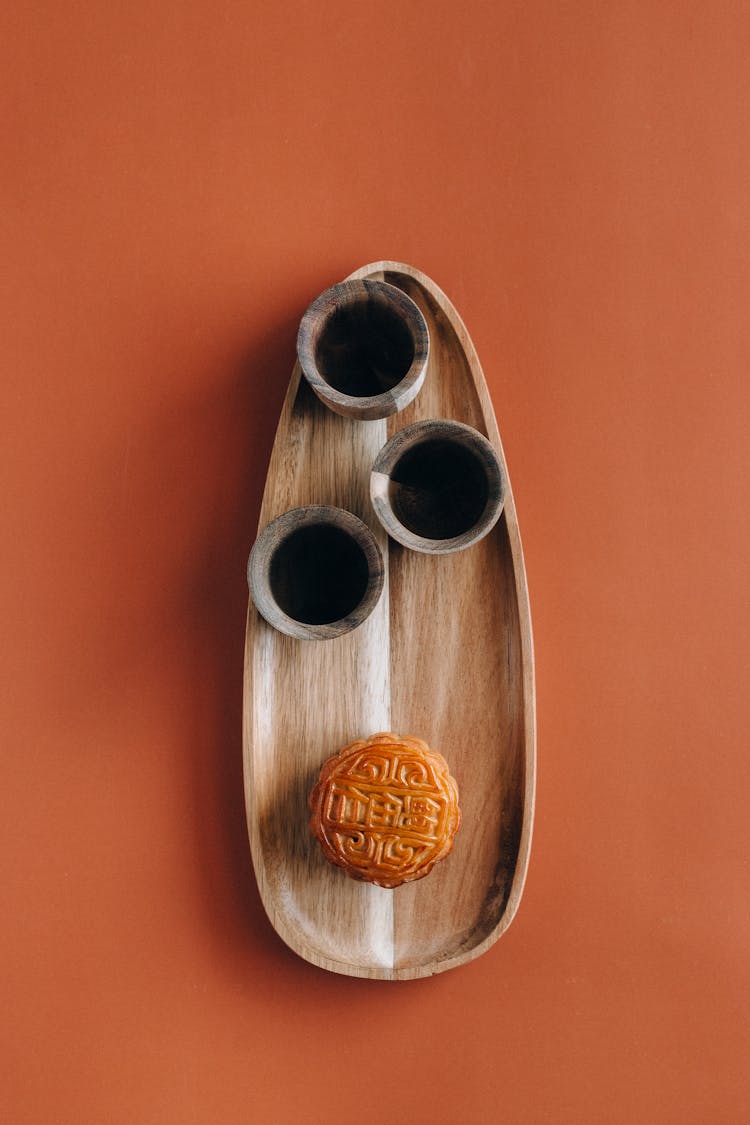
(446, 656)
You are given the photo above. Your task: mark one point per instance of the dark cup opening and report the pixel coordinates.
(438, 489)
(364, 349)
(437, 486)
(318, 574)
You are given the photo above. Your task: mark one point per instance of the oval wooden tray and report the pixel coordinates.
(446, 655)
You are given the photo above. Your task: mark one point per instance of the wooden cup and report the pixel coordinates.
(437, 486)
(363, 348)
(315, 572)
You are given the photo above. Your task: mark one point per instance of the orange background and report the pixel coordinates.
(179, 181)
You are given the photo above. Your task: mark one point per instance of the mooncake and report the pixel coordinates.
(385, 809)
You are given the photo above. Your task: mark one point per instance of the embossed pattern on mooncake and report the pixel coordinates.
(385, 809)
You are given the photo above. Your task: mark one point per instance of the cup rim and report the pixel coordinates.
(422, 433)
(344, 295)
(276, 532)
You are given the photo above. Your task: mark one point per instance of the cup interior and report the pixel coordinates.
(437, 486)
(438, 489)
(315, 572)
(364, 348)
(318, 574)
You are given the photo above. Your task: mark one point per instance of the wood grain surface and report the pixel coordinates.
(445, 656)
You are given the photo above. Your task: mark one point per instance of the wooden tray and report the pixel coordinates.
(446, 655)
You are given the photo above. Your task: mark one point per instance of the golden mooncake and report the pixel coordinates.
(385, 809)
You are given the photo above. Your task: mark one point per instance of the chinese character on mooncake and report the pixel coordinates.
(385, 809)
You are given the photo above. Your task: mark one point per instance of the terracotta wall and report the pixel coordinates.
(178, 181)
